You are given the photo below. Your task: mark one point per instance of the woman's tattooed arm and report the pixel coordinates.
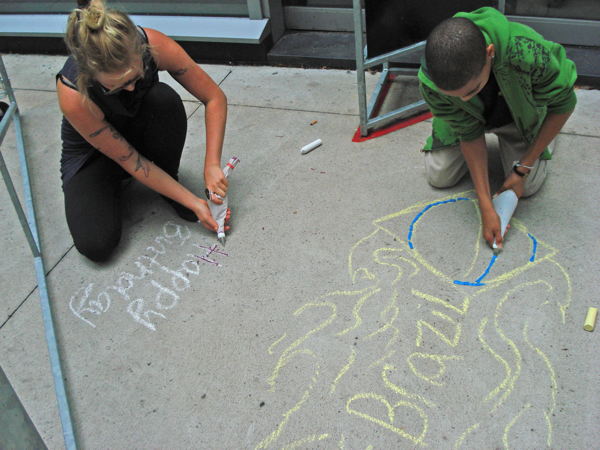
(141, 162)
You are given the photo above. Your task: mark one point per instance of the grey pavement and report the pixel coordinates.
(332, 317)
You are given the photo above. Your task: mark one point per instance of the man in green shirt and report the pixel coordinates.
(483, 73)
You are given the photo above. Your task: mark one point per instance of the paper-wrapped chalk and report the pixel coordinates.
(505, 205)
(590, 319)
(307, 148)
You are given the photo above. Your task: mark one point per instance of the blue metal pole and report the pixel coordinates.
(59, 386)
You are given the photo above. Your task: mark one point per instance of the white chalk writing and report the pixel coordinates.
(88, 303)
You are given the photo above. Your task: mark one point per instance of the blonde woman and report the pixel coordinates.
(120, 122)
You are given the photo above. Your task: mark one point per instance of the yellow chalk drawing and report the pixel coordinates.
(379, 259)
(451, 342)
(283, 358)
(440, 359)
(400, 238)
(286, 417)
(548, 412)
(306, 440)
(383, 359)
(274, 344)
(387, 323)
(356, 312)
(563, 306)
(461, 439)
(518, 225)
(499, 358)
(343, 370)
(365, 274)
(401, 391)
(517, 353)
(393, 282)
(444, 303)
(511, 424)
(417, 440)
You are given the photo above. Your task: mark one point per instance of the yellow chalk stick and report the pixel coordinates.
(590, 319)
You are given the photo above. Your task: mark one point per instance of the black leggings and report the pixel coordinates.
(92, 195)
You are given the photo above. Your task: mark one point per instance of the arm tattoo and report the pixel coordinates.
(117, 136)
(130, 153)
(179, 72)
(141, 163)
(99, 132)
(115, 133)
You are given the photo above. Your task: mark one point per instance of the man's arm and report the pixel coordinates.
(552, 125)
(475, 154)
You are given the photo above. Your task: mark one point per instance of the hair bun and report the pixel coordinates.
(93, 14)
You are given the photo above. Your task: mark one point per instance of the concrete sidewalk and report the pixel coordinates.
(331, 318)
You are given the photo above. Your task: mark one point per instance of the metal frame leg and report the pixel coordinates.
(29, 226)
(366, 118)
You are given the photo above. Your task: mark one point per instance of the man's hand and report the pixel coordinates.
(514, 182)
(491, 227)
(216, 183)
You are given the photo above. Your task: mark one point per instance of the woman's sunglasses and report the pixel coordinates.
(130, 82)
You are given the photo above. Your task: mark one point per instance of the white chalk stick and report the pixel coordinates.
(307, 148)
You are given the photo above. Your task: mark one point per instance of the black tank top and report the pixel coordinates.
(118, 109)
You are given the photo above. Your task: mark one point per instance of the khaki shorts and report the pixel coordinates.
(445, 167)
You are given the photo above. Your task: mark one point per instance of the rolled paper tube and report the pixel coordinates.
(590, 319)
(505, 205)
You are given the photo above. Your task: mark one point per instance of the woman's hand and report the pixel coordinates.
(205, 217)
(216, 183)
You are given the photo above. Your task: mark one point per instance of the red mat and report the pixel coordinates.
(397, 126)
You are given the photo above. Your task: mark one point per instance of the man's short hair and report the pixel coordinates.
(455, 53)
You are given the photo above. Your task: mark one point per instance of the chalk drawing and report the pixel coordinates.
(344, 369)
(165, 284)
(419, 344)
(306, 440)
(534, 247)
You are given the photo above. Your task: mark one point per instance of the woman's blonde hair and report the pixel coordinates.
(101, 40)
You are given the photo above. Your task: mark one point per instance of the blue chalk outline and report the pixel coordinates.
(481, 277)
(534, 249)
(485, 273)
(423, 211)
(477, 282)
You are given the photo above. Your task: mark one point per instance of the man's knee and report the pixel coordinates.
(536, 179)
(439, 180)
(444, 168)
